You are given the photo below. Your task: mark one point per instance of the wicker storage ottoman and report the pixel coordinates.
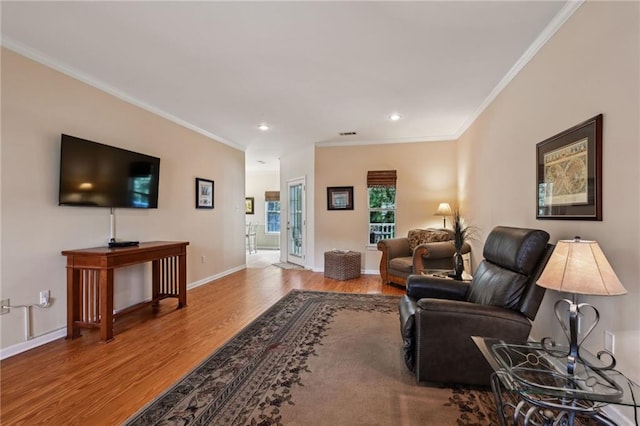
(341, 265)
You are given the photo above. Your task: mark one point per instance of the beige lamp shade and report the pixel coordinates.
(444, 209)
(580, 267)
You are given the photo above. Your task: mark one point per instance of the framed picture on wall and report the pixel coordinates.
(340, 198)
(248, 205)
(204, 193)
(569, 173)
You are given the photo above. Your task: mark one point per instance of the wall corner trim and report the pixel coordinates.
(102, 86)
(556, 23)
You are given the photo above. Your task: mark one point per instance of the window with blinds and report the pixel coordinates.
(272, 212)
(381, 190)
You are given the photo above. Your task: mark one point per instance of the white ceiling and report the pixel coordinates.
(309, 69)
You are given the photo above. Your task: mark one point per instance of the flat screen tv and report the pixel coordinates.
(97, 175)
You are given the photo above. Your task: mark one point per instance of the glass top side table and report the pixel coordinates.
(541, 390)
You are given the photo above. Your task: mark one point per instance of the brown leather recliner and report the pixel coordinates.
(439, 316)
(421, 249)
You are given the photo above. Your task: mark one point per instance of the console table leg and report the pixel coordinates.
(182, 281)
(106, 305)
(155, 282)
(73, 306)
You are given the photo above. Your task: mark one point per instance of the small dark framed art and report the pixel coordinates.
(569, 173)
(340, 198)
(204, 193)
(248, 205)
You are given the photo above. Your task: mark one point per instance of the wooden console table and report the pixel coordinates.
(90, 281)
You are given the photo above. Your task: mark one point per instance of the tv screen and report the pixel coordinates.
(97, 175)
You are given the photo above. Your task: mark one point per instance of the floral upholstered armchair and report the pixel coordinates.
(420, 250)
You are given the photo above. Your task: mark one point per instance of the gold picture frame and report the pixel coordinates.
(569, 173)
(249, 205)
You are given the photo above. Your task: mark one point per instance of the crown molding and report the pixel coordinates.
(43, 59)
(333, 142)
(556, 23)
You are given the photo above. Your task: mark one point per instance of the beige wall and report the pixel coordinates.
(426, 176)
(590, 66)
(38, 104)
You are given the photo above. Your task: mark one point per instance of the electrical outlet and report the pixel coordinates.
(3, 303)
(609, 341)
(203, 259)
(44, 297)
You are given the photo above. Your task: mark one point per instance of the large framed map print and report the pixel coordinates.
(569, 173)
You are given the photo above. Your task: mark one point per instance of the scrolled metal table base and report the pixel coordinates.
(529, 409)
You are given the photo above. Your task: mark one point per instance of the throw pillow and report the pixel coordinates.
(424, 236)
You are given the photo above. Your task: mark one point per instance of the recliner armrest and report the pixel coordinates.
(460, 309)
(444, 350)
(425, 286)
(407, 307)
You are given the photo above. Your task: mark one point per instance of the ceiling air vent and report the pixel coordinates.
(347, 133)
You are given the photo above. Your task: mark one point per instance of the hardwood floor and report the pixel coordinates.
(85, 382)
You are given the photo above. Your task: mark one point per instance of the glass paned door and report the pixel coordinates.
(295, 225)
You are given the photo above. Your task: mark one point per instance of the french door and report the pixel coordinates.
(296, 221)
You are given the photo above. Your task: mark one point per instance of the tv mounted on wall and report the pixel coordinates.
(97, 175)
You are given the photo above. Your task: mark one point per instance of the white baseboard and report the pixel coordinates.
(62, 332)
(215, 277)
(362, 271)
(33, 343)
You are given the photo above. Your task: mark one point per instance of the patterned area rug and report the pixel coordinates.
(315, 358)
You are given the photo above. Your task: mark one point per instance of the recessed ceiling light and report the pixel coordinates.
(395, 116)
(264, 127)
